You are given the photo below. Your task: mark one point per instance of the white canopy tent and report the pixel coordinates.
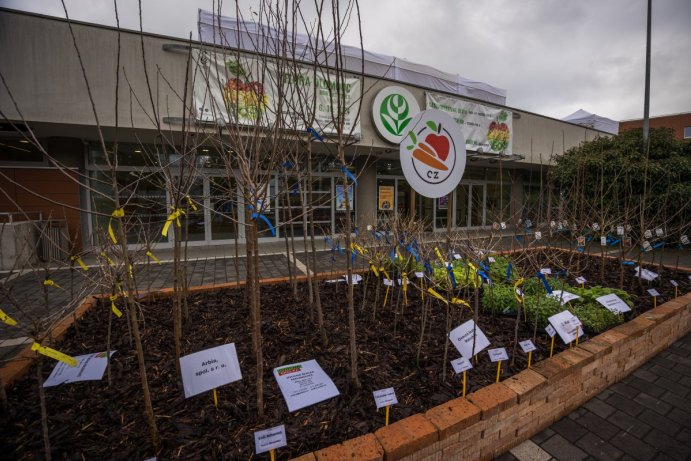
(257, 38)
(594, 121)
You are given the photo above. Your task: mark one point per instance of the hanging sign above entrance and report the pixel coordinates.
(392, 110)
(433, 153)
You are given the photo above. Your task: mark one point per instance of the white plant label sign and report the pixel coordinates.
(653, 292)
(546, 271)
(527, 346)
(304, 384)
(596, 226)
(603, 241)
(620, 230)
(646, 246)
(580, 280)
(538, 235)
(432, 153)
(502, 225)
(490, 259)
(90, 367)
(420, 275)
(385, 397)
(498, 354)
(614, 303)
(674, 283)
(388, 283)
(645, 274)
(685, 239)
(566, 324)
(270, 439)
(659, 232)
(209, 369)
(563, 296)
(648, 234)
(550, 330)
(461, 364)
(462, 337)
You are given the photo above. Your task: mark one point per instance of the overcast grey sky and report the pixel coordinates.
(552, 56)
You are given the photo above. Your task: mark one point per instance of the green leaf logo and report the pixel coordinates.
(394, 112)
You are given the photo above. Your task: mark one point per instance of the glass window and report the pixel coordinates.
(461, 204)
(224, 208)
(19, 151)
(498, 202)
(687, 132)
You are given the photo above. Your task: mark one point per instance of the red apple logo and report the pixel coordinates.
(498, 133)
(434, 150)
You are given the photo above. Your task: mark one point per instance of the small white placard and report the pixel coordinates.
(495, 355)
(420, 275)
(461, 364)
(563, 296)
(90, 367)
(357, 278)
(527, 346)
(304, 384)
(614, 303)
(552, 224)
(653, 292)
(462, 337)
(270, 439)
(645, 274)
(387, 282)
(490, 259)
(674, 283)
(620, 230)
(628, 228)
(538, 235)
(502, 225)
(659, 232)
(209, 369)
(456, 256)
(385, 397)
(546, 271)
(648, 234)
(566, 325)
(646, 246)
(596, 226)
(603, 241)
(369, 227)
(519, 292)
(550, 330)
(685, 239)
(580, 280)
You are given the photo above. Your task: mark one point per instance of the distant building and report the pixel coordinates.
(680, 123)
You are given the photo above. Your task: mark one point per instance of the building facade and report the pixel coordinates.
(680, 123)
(68, 177)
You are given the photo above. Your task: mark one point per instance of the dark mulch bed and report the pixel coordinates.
(97, 421)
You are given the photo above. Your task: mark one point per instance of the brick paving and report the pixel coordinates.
(646, 416)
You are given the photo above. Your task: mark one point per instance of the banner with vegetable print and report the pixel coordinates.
(244, 90)
(486, 128)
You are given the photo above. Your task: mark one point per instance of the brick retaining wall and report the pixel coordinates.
(492, 420)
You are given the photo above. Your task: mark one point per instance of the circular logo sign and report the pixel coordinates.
(433, 153)
(392, 110)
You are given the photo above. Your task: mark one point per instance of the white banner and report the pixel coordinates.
(484, 127)
(245, 90)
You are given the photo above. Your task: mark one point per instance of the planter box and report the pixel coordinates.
(492, 420)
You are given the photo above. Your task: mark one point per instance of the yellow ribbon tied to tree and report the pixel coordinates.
(374, 269)
(190, 202)
(113, 307)
(50, 283)
(80, 262)
(173, 217)
(53, 354)
(437, 295)
(117, 214)
(7, 319)
(153, 256)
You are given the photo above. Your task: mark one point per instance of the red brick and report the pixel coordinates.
(406, 436)
(577, 357)
(634, 328)
(492, 399)
(659, 314)
(366, 448)
(596, 347)
(453, 416)
(611, 337)
(525, 384)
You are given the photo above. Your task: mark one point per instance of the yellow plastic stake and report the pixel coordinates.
(551, 348)
(7, 319)
(404, 281)
(475, 359)
(215, 398)
(386, 295)
(53, 354)
(498, 370)
(530, 358)
(441, 258)
(577, 335)
(272, 453)
(117, 214)
(387, 415)
(153, 256)
(464, 382)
